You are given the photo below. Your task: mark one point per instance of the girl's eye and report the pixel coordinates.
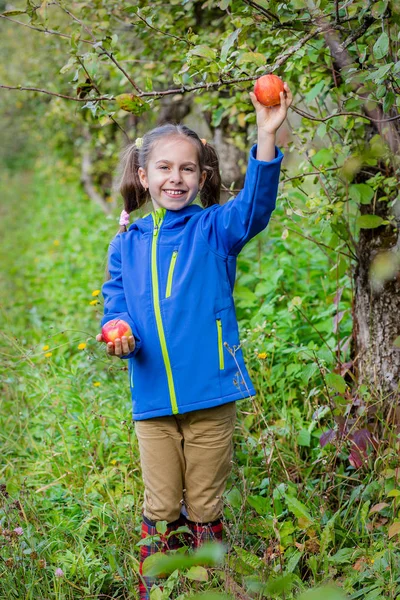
(189, 169)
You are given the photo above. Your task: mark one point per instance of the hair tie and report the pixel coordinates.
(203, 141)
(139, 143)
(124, 218)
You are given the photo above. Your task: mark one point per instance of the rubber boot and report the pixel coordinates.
(172, 543)
(205, 532)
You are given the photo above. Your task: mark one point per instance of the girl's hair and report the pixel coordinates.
(132, 158)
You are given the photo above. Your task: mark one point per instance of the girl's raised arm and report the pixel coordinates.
(229, 227)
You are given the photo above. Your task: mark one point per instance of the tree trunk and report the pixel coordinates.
(376, 315)
(376, 305)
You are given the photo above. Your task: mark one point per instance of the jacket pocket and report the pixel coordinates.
(220, 345)
(170, 273)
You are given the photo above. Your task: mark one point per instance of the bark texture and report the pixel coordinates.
(376, 319)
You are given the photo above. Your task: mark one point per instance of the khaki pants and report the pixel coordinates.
(186, 459)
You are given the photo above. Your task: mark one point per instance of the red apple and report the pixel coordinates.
(115, 329)
(267, 89)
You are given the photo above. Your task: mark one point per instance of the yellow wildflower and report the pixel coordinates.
(93, 302)
(95, 292)
(48, 354)
(113, 462)
(56, 243)
(262, 355)
(46, 347)
(82, 346)
(97, 384)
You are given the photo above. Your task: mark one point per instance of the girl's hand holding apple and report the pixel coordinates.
(118, 336)
(270, 118)
(120, 346)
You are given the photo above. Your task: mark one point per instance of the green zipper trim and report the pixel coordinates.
(220, 347)
(158, 217)
(170, 273)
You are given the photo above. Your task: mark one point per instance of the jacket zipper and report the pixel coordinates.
(170, 273)
(220, 347)
(158, 219)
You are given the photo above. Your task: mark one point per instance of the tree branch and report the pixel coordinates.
(342, 114)
(100, 45)
(262, 10)
(164, 32)
(30, 89)
(51, 31)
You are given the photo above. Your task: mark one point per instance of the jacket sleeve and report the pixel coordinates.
(115, 306)
(229, 227)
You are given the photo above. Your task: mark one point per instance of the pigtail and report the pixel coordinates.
(210, 192)
(131, 189)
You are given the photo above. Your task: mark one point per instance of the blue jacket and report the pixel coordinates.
(172, 278)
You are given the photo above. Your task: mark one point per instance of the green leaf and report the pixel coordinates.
(336, 382)
(381, 46)
(255, 58)
(393, 494)
(378, 75)
(248, 558)
(13, 13)
(388, 102)
(161, 526)
(234, 498)
(344, 555)
(304, 437)
(293, 562)
(261, 504)
(298, 508)
(323, 157)
(396, 342)
(197, 574)
(280, 586)
(131, 103)
(327, 593)
(328, 534)
(361, 192)
(369, 221)
(228, 43)
(313, 93)
(308, 371)
(203, 51)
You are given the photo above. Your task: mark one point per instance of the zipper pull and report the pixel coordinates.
(155, 230)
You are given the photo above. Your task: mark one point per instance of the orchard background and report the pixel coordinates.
(313, 499)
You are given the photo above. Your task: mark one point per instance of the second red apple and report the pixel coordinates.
(115, 329)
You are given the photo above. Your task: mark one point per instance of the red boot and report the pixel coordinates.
(172, 543)
(205, 532)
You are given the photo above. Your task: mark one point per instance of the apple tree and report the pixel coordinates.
(129, 66)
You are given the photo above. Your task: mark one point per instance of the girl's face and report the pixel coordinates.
(173, 175)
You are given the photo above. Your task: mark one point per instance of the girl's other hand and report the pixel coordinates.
(269, 119)
(122, 346)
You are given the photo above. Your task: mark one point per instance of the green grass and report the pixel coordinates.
(298, 515)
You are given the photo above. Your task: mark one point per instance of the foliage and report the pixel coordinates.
(313, 495)
(298, 513)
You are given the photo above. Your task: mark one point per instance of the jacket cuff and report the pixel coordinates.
(277, 159)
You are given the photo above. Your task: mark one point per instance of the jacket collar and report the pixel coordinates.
(170, 218)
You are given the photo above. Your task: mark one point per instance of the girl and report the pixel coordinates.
(171, 279)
